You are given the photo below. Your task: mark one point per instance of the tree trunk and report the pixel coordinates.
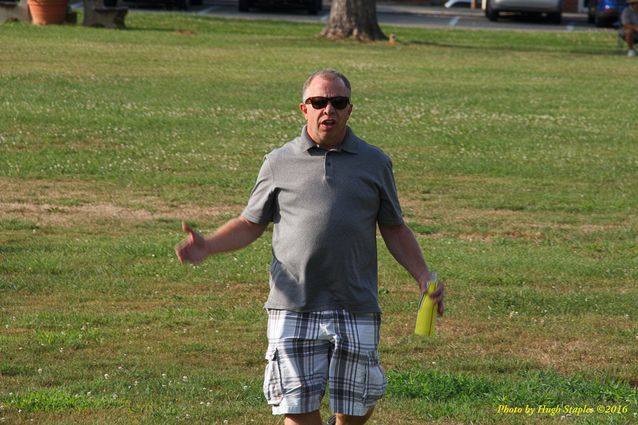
(353, 18)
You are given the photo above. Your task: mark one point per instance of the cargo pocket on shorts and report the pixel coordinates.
(375, 383)
(273, 389)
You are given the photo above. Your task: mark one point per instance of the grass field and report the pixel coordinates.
(516, 158)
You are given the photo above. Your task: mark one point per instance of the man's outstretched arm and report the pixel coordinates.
(406, 250)
(235, 234)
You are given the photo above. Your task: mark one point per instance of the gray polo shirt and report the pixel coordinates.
(325, 206)
(628, 16)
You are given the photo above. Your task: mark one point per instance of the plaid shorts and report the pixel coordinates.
(306, 351)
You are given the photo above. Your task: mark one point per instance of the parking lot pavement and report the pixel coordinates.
(465, 17)
(462, 12)
(392, 7)
(392, 13)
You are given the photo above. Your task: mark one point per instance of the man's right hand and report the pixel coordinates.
(193, 249)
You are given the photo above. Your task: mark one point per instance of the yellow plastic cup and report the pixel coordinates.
(426, 316)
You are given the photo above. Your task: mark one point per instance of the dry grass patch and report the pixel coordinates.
(462, 222)
(73, 203)
(556, 344)
(552, 343)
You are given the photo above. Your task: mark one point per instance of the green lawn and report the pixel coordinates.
(516, 158)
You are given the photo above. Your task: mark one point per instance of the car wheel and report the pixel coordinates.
(313, 6)
(244, 5)
(183, 4)
(555, 18)
(601, 22)
(491, 14)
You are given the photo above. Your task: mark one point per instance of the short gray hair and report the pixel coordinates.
(328, 74)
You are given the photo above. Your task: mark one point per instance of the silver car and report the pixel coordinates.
(552, 9)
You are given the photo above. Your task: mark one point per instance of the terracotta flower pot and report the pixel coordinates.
(45, 12)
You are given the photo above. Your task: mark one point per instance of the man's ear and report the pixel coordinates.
(303, 108)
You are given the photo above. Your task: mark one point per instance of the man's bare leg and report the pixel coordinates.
(353, 420)
(312, 418)
(629, 38)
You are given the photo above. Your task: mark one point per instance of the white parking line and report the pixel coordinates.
(454, 21)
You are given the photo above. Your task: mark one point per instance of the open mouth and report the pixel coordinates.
(328, 123)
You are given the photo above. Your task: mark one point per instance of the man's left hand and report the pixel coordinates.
(437, 295)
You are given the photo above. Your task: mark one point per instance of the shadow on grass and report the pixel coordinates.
(517, 49)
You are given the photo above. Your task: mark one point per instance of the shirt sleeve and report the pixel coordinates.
(390, 208)
(261, 204)
(623, 17)
(628, 17)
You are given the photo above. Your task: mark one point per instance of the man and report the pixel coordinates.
(325, 191)
(629, 21)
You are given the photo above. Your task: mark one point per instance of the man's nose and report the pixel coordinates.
(329, 108)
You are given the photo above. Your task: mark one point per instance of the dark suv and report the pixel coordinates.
(604, 13)
(179, 4)
(312, 6)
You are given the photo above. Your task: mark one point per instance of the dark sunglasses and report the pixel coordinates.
(319, 102)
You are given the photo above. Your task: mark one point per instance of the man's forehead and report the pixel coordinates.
(327, 84)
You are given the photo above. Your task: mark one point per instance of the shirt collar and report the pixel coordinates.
(349, 143)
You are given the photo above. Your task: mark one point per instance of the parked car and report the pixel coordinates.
(312, 6)
(179, 4)
(553, 9)
(604, 13)
(460, 3)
